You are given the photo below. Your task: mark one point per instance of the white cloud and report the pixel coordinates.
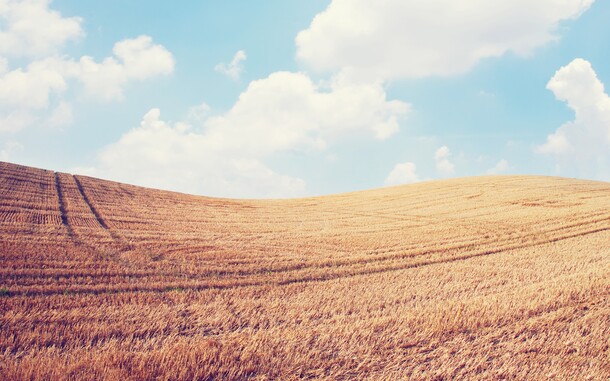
(392, 39)
(556, 143)
(443, 164)
(15, 120)
(233, 70)
(26, 93)
(226, 157)
(403, 173)
(581, 146)
(174, 156)
(501, 167)
(31, 88)
(287, 111)
(30, 28)
(136, 59)
(61, 116)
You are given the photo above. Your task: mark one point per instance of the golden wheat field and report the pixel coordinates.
(503, 277)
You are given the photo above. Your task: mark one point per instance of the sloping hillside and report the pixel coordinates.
(487, 277)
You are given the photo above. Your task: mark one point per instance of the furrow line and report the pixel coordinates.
(401, 255)
(308, 279)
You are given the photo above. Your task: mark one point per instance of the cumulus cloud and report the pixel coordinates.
(30, 28)
(403, 173)
(234, 68)
(393, 39)
(501, 166)
(226, 155)
(175, 156)
(581, 146)
(26, 93)
(443, 164)
(31, 88)
(287, 111)
(134, 59)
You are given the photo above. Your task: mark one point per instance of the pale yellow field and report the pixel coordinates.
(504, 277)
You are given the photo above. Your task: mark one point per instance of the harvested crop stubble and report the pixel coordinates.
(504, 277)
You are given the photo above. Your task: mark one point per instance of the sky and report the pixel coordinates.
(287, 98)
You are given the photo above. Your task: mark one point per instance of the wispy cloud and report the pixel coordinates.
(443, 165)
(234, 69)
(501, 167)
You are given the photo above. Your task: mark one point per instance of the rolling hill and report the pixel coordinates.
(497, 277)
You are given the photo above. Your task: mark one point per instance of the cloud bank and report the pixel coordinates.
(226, 155)
(396, 39)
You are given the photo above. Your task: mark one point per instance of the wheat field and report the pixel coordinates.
(497, 277)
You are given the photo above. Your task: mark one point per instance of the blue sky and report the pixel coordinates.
(294, 98)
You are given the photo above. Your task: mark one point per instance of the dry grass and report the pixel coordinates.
(481, 278)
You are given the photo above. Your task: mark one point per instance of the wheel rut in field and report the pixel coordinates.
(62, 206)
(468, 250)
(100, 220)
(94, 211)
(311, 278)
